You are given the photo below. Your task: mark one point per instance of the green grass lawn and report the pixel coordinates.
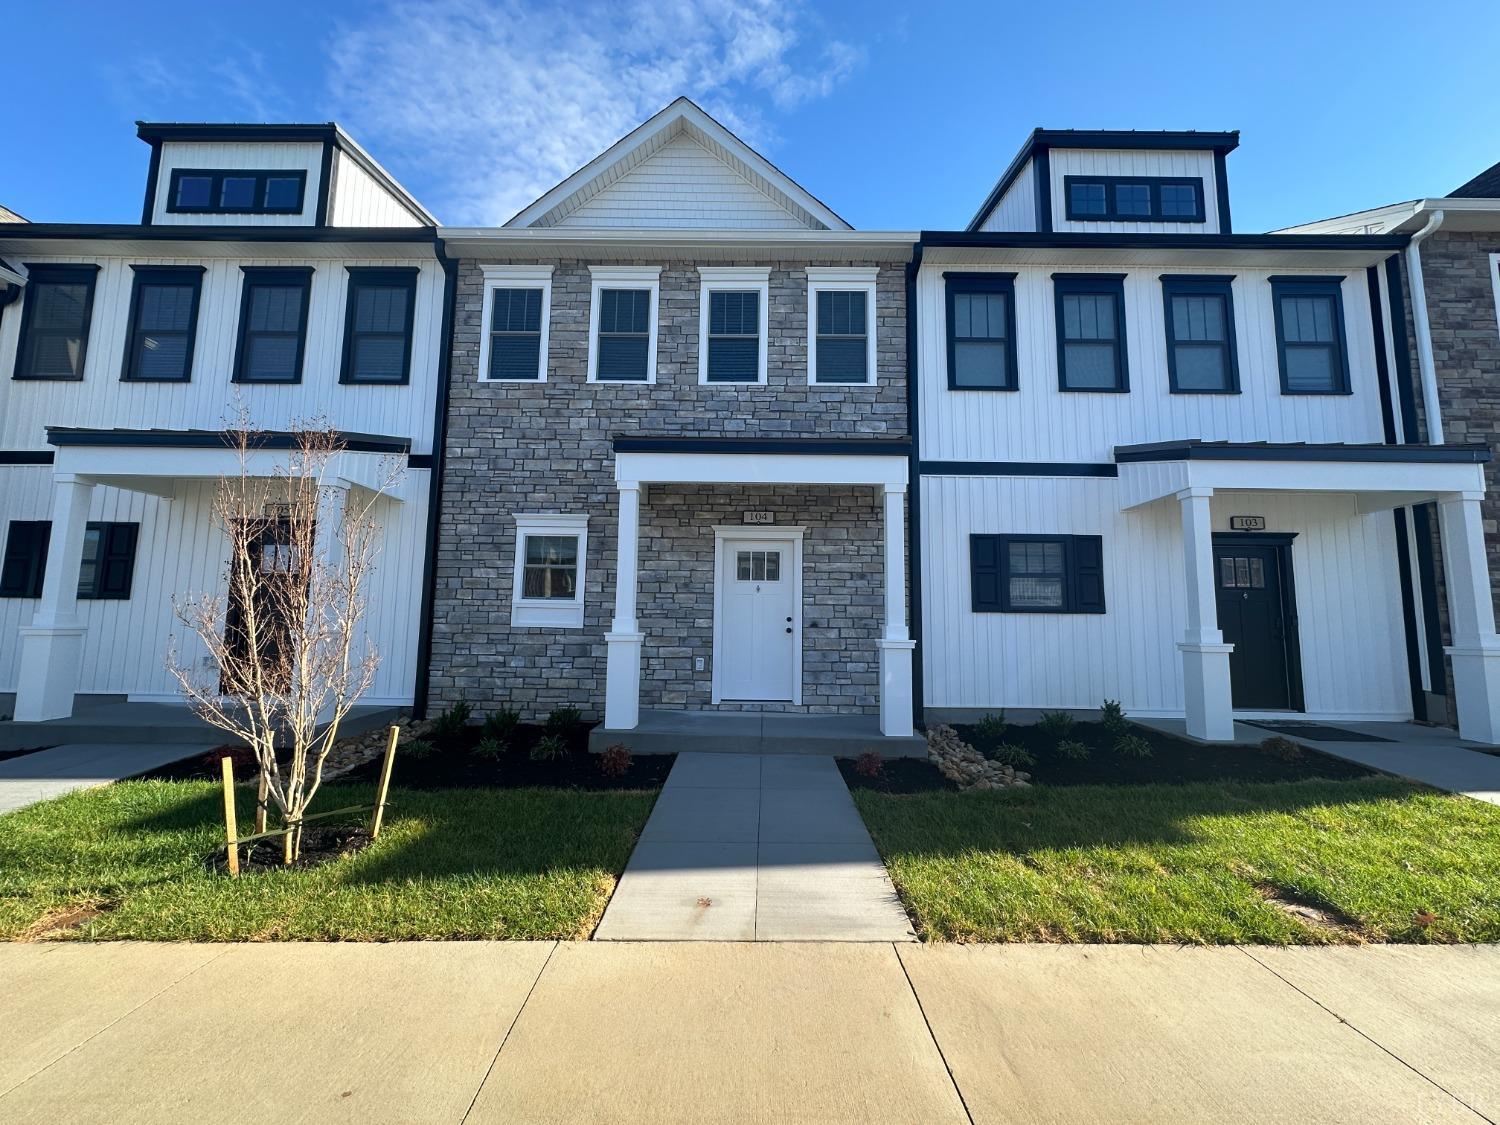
(1193, 863)
(475, 863)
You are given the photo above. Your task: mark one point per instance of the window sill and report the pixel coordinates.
(547, 615)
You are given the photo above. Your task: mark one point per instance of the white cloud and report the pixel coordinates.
(508, 98)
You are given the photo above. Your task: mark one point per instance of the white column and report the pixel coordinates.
(1475, 650)
(622, 683)
(52, 645)
(329, 554)
(1205, 656)
(896, 647)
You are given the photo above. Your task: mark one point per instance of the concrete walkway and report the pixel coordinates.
(477, 1032)
(62, 769)
(751, 847)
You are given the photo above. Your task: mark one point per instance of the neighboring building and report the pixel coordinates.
(1160, 461)
(1450, 339)
(9, 216)
(274, 265)
(677, 453)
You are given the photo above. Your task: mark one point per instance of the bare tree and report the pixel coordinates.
(287, 658)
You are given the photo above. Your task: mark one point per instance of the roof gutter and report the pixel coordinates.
(1425, 361)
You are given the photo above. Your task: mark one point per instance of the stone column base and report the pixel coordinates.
(895, 688)
(50, 659)
(1476, 689)
(1205, 690)
(622, 681)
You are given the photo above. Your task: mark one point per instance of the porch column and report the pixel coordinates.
(896, 647)
(1475, 650)
(622, 683)
(52, 645)
(1205, 656)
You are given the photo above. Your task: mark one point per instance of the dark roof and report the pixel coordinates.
(1486, 185)
(1023, 239)
(889, 447)
(1195, 449)
(184, 233)
(215, 439)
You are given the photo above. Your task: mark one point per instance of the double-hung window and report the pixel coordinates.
(1091, 332)
(1199, 315)
(56, 307)
(105, 572)
(273, 325)
(163, 324)
(732, 318)
(548, 582)
(236, 191)
(1036, 573)
(622, 329)
(514, 324)
(1133, 199)
(981, 331)
(378, 321)
(1310, 342)
(841, 325)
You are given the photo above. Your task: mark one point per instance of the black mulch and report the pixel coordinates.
(205, 767)
(897, 775)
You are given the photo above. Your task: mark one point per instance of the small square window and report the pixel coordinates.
(283, 193)
(1086, 199)
(551, 570)
(551, 553)
(195, 191)
(237, 193)
(1133, 200)
(1179, 200)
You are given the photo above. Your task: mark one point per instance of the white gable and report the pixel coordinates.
(681, 169)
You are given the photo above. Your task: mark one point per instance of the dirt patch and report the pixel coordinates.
(320, 845)
(63, 918)
(1313, 915)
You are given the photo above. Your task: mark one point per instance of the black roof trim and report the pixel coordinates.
(1195, 449)
(1018, 468)
(1020, 240)
(1218, 143)
(214, 439)
(174, 233)
(26, 456)
(832, 447)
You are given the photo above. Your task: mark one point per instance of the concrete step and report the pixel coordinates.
(746, 732)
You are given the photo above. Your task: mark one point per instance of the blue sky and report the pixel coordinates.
(899, 116)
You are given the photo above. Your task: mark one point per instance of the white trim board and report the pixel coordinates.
(785, 534)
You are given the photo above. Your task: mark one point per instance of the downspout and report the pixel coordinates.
(1424, 331)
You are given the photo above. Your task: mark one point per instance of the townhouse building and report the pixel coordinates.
(276, 269)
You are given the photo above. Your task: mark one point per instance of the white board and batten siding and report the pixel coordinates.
(306, 156)
(1039, 422)
(102, 400)
(359, 200)
(1133, 162)
(1351, 632)
(1016, 209)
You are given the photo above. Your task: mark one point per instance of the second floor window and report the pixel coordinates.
(1091, 332)
(732, 324)
(1310, 345)
(981, 331)
(273, 325)
(163, 324)
(1199, 314)
(1133, 199)
(841, 344)
(624, 335)
(378, 325)
(56, 308)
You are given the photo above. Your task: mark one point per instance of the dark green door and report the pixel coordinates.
(1253, 616)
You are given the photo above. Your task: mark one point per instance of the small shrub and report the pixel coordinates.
(1283, 748)
(1112, 715)
(1072, 750)
(492, 748)
(501, 725)
(1056, 724)
(615, 761)
(452, 722)
(547, 747)
(417, 748)
(1132, 746)
(991, 728)
(1009, 754)
(563, 720)
(869, 764)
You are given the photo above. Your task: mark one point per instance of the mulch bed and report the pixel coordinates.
(320, 845)
(205, 767)
(897, 775)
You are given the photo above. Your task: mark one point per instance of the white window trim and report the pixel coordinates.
(623, 277)
(1495, 285)
(792, 533)
(733, 279)
(514, 277)
(844, 280)
(548, 613)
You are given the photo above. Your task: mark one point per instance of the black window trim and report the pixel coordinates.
(130, 531)
(1073, 602)
(1194, 284)
(955, 283)
(273, 276)
(160, 275)
(1112, 213)
(56, 274)
(384, 277)
(1319, 286)
(1092, 284)
(217, 176)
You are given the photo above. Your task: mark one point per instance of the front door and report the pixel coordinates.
(1253, 582)
(273, 593)
(758, 637)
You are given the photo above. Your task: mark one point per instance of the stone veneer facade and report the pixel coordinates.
(546, 447)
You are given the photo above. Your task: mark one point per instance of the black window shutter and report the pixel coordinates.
(984, 573)
(1088, 573)
(117, 559)
(25, 559)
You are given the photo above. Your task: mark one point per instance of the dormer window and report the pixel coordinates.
(1133, 199)
(238, 191)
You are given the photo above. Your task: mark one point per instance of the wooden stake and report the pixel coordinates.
(260, 804)
(385, 781)
(231, 830)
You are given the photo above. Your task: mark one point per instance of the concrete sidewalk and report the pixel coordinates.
(51, 773)
(710, 1032)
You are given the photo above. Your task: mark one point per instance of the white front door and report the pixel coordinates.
(759, 636)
